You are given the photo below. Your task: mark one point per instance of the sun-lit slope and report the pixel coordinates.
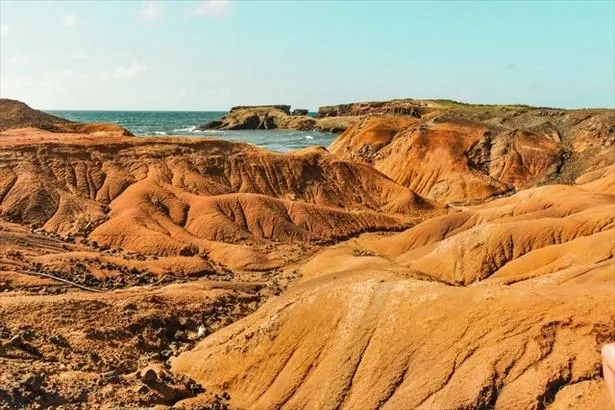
(383, 342)
(232, 218)
(444, 160)
(502, 305)
(25, 253)
(481, 251)
(499, 303)
(169, 195)
(600, 178)
(474, 244)
(16, 114)
(466, 155)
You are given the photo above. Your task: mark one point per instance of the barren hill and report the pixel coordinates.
(200, 273)
(469, 154)
(16, 114)
(170, 197)
(504, 305)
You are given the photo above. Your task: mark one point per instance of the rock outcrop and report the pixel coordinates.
(15, 114)
(261, 117)
(406, 106)
(271, 117)
(279, 107)
(464, 155)
(595, 127)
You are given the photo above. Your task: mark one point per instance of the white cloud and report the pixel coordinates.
(4, 30)
(150, 11)
(19, 59)
(79, 55)
(212, 8)
(69, 20)
(124, 72)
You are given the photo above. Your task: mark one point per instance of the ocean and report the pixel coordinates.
(157, 123)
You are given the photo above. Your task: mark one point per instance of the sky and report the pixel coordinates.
(212, 54)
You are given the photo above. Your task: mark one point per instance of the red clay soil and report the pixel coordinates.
(468, 156)
(427, 261)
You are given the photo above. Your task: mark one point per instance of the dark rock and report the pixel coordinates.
(180, 335)
(142, 389)
(149, 376)
(400, 107)
(212, 125)
(299, 111)
(258, 117)
(110, 377)
(280, 107)
(33, 382)
(59, 340)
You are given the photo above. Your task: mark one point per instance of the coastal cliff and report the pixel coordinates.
(402, 107)
(333, 118)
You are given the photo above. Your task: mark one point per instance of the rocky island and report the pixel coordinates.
(269, 117)
(436, 255)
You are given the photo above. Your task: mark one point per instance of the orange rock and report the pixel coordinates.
(15, 114)
(523, 326)
(456, 153)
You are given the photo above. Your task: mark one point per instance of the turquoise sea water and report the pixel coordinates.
(156, 123)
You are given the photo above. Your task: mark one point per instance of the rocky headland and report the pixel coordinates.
(436, 255)
(16, 114)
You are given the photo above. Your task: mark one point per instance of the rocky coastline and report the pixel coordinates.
(341, 117)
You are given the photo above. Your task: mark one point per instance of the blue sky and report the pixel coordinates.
(209, 55)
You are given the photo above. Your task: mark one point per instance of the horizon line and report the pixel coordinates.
(435, 100)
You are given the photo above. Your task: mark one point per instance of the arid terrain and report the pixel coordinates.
(437, 255)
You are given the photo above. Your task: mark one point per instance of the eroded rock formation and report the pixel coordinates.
(312, 279)
(465, 155)
(504, 305)
(184, 194)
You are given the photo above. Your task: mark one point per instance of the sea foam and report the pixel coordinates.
(187, 129)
